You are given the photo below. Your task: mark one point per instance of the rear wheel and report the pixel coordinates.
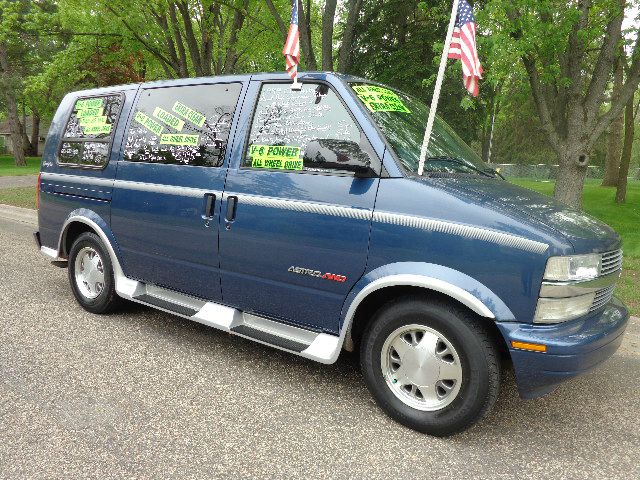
(91, 274)
(430, 366)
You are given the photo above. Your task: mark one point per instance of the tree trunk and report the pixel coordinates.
(304, 22)
(614, 145)
(625, 161)
(344, 60)
(12, 109)
(327, 34)
(571, 175)
(35, 134)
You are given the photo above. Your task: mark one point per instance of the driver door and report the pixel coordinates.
(297, 206)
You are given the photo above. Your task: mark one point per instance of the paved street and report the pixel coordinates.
(144, 394)
(18, 181)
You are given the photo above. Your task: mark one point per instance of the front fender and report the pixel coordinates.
(439, 278)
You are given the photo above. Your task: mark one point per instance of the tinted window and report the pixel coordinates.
(182, 125)
(307, 130)
(88, 133)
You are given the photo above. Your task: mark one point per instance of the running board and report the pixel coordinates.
(320, 347)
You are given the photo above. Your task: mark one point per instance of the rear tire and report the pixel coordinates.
(430, 365)
(91, 274)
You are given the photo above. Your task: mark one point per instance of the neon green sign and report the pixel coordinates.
(179, 139)
(96, 120)
(166, 117)
(379, 99)
(89, 112)
(148, 123)
(89, 103)
(97, 129)
(190, 114)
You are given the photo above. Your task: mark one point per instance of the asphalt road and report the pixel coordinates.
(147, 395)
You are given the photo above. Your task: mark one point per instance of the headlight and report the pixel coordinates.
(555, 310)
(572, 268)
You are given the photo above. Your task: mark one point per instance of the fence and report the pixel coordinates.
(549, 172)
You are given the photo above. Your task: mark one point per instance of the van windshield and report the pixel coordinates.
(403, 120)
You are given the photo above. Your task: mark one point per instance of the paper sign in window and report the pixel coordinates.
(379, 99)
(189, 113)
(148, 123)
(88, 103)
(179, 139)
(168, 118)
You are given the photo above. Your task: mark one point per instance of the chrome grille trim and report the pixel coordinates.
(611, 262)
(602, 297)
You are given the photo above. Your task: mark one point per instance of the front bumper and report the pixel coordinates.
(572, 347)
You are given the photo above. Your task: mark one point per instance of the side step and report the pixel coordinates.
(316, 346)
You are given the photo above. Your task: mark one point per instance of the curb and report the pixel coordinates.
(19, 214)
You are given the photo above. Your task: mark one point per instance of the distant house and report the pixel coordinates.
(6, 147)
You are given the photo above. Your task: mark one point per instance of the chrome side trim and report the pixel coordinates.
(307, 207)
(427, 283)
(52, 254)
(64, 177)
(128, 185)
(573, 289)
(165, 189)
(467, 231)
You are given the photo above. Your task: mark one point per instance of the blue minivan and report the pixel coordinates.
(294, 217)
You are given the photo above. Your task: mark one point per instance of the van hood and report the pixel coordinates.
(585, 233)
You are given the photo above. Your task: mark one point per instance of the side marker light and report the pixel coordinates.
(532, 347)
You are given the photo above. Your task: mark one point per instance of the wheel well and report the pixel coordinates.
(376, 300)
(74, 230)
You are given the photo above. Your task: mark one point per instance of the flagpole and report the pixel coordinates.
(436, 91)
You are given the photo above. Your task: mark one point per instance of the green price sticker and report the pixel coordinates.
(89, 103)
(179, 139)
(166, 117)
(89, 112)
(96, 120)
(97, 129)
(379, 99)
(275, 157)
(190, 114)
(148, 123)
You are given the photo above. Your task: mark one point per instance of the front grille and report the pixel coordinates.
(602, 297)
(611, 262)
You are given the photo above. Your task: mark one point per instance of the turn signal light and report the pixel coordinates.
(532, 347)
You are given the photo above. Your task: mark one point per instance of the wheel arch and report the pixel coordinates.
(388, 282)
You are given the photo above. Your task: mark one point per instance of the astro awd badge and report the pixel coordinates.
(334, 277)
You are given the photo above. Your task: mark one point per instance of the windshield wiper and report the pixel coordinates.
(461, 162)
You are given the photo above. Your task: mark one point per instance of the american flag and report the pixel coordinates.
(463, 47)
(291, 50)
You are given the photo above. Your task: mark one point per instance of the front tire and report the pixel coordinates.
(430, 366)
(91, 274)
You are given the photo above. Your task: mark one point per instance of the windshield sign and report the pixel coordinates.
(403, 120)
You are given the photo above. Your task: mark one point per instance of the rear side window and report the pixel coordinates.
(183, 125)
(87, 136)
(305, 131)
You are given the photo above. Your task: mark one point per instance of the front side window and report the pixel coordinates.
(403, 120)
(305, 131)
(183, 125)
(89, 131)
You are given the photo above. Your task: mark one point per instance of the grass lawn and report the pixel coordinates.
(19, 197)
(8, 166)
(625, 219)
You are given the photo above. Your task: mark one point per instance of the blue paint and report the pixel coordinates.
(164, 239)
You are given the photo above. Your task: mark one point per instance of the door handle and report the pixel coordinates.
(232, 206)
(209, 204)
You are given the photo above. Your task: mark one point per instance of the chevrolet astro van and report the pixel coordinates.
(295, 218)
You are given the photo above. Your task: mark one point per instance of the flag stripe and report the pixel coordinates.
(463, 47)
(291, 50)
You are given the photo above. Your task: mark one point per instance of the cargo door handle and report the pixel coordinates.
(232, 205)
(209, 204)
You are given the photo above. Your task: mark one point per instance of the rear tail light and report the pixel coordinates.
(38, 192)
